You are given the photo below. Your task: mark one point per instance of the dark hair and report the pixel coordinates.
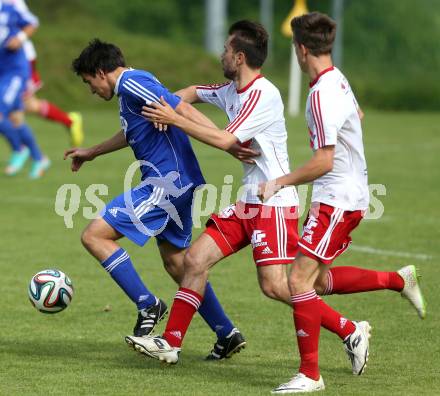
(98, 55)
(315, 31)
(251, 39)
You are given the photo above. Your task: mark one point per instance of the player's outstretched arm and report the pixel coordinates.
(189, 94)
(163, 113)
(81, 155)
(320, 164)
(190, 112)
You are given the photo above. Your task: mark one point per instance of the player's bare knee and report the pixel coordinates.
(272, 291)
(297, 281)
(88, 238)
(174, 270)
(320, 286)
(194, 264)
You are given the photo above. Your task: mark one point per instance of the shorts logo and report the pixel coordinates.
(227, 212)
(266, 250)
(308, 229)
(257, 238)
(113, 212)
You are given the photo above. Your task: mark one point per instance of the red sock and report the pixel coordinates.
(335, 322)
(51, 112)
(185, 305)
(307, 318)
(345, 280)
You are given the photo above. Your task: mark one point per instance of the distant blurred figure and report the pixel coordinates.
(42, 107)
(15, 28)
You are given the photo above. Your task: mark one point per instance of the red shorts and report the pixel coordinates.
(326, 232)
(272, 231)
(34, 83)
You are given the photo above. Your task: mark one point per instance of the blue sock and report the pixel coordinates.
(121, 269)
(213, 314)
(10, 133)
(28, 139)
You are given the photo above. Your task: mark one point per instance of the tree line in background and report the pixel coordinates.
(390, 48)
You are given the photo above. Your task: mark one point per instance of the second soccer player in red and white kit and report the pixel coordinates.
(340, 197)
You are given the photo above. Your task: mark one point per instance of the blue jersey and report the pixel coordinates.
(11, 22)
(168, 151)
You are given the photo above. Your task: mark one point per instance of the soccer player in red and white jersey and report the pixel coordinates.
(44, 108)
(340, 197)
(255, 110)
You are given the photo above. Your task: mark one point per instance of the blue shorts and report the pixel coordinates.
(12, 88)
(151, 213)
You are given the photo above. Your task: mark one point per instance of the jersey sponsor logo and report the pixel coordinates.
(257, 239)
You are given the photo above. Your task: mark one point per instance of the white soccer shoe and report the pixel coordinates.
(411, 291)
(155, 347)
(356, 346)
(300, 384)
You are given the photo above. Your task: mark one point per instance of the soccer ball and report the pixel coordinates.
(50, 291)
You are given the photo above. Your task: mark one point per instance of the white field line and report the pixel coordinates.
(394, 253)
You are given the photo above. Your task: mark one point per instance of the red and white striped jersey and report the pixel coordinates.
(333, 119)
(256, 118)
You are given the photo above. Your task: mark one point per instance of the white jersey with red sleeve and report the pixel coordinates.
(333, 120)
(256, 115)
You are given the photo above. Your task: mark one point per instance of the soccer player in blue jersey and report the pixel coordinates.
(15, 28)
(161, 205)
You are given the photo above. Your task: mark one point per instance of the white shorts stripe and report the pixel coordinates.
(284, 244)
(338, 219)
(275, 258)
(277, 226)
(334, 219)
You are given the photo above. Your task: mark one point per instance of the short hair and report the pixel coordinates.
(98, 55)
(315, 31)
(250, 38)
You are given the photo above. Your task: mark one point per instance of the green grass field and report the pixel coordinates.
(81, 351)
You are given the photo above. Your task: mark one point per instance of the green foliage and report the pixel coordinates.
(391, 54)
(81, 350)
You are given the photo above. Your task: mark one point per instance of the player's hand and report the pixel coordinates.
(79, 156)
(243, 154)
(14, 43)
(267, 190)
(160, 113)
